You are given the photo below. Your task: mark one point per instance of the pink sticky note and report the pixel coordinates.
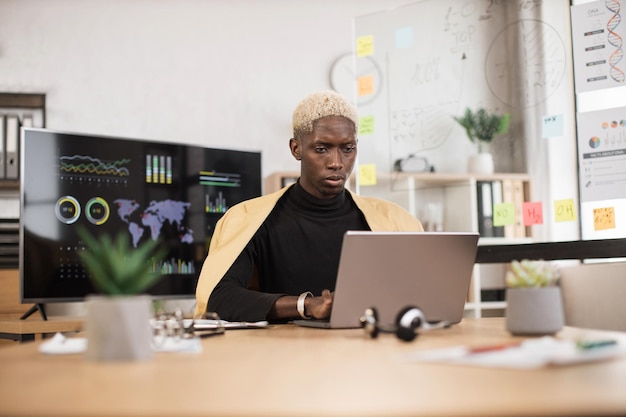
(533, 213)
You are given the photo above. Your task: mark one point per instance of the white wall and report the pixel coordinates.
(221, 73)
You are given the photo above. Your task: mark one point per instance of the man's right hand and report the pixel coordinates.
(319, 307)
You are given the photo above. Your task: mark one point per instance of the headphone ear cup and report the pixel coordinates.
(408, 321)
(406, 334)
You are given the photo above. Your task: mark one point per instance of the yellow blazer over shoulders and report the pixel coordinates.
(235, 229)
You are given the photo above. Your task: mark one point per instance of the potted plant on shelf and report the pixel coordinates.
(117, 324)
(481, 127)
(534, 303)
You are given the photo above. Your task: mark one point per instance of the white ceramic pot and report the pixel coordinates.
(534, 311)
(118, 328)
(481, 163)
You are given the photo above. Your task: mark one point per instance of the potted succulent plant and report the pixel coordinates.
(534, 304)
(481, 128)
(118, 317)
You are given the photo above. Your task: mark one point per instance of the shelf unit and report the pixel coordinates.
(451, 191)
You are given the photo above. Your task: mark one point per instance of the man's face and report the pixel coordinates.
(327, 156)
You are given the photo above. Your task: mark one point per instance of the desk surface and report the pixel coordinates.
(24, 330)
(291, 371)
(36, 325)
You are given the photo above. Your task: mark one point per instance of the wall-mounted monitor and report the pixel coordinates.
(150, 190)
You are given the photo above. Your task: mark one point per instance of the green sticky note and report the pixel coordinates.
(366, 125)
(503, 214)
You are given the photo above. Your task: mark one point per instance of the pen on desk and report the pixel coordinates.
(492, 348)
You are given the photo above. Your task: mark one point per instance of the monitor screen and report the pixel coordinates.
(150, 190)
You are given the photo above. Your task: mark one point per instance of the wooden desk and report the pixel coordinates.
(25, 330)
(291, 371)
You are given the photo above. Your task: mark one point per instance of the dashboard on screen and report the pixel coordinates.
(171, 192)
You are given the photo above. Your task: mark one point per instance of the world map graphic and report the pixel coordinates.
(154, 217)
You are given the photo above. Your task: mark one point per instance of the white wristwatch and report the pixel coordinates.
(300, 304)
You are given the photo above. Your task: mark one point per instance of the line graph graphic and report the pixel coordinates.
(88, 165)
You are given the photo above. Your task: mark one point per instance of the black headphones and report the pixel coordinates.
(408, 321)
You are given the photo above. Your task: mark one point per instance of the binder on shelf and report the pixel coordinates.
(496, 197)
(12, 136)
(485, 208)
(507, 197)
(2, 148)
(518, 200)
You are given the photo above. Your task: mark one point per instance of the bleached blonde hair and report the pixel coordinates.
(321, 104)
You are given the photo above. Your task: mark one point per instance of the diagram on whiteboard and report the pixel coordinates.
(540, 58)
(428, 92)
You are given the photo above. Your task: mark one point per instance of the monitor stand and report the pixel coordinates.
(38, 306)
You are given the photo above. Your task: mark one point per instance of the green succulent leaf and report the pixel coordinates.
(526, 273)
(115, 267)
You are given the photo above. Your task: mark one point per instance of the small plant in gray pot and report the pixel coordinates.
(117, 324)
(533, 297)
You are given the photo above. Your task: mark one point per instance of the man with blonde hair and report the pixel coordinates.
(275, 257)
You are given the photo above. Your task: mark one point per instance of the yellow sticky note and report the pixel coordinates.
(366, 125)
(365, 85)
(564, 210)
(604, 218)
(503, 214)
(365, 45)
(367, 174)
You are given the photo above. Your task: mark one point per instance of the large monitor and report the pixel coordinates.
(151, 190)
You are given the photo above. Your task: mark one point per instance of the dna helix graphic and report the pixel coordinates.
(615, 40)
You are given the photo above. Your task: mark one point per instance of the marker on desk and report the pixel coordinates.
(594, 344)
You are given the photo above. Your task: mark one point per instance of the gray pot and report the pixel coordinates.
(534, 311)
(118, 328)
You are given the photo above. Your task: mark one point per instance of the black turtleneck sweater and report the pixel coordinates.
(295, 250)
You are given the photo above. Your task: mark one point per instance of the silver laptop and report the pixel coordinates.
(391, 270)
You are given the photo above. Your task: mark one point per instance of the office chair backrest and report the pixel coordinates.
(594, 294)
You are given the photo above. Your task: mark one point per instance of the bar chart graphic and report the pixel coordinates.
(219, 179)
(217, 204)
(158, 169)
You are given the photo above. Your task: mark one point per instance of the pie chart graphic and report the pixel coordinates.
(67, 209)
(594, 142)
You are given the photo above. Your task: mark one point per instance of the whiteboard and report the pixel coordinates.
(429, 60)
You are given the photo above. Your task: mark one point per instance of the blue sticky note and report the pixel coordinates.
(404, 37)
(552, 126)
